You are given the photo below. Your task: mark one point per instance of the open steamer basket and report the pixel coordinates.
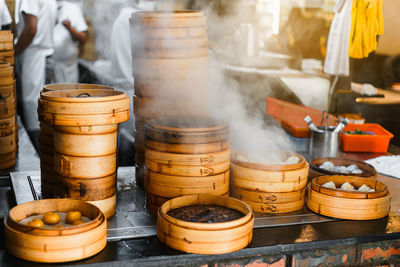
(269, 188)
(315, 171)
(205, 238)
(53, 245)
(342, 204)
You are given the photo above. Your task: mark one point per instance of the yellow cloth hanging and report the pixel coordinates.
(366, 24)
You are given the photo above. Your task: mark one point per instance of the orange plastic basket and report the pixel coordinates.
(377, 143)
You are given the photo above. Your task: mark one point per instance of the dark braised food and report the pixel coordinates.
(205, 214)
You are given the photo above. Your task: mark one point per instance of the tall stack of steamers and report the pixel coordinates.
(170, 67)
(84, 125)
(8, 100)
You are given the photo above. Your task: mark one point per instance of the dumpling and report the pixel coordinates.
(347, 186)
(292, 160)
(329, 185)
(365, 188)
(327, 165)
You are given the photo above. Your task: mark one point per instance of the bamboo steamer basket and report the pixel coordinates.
(171, 44)
(6, 75)
(85, 167)
(267, 197)
(7, 57)
(187, 170)
(85, 145)
(107, 206)
(172, 33)
(172, 54)
(157, 67)
(151, 107)
(8, 123)
(71, 86)
(272, 208)
(6, 91)
(188, 159)
(8, 144)
(169, 19)
(169, 89)
(203, 238)
(348, 208)
(380, 188)
(8, 161)
(6, 40)
(7, 108)
(186, 130)
(187, 148)
(95, 107)
(269, 178)
(55, 245)
(95, 189)
(368, 170)
(158, 184)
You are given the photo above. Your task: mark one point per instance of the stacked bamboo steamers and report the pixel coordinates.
(84, 125)
(185, 156)
(270, 188)
(51, 186)
(170, 67)
(8, 100)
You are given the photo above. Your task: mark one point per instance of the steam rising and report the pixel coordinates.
(248, 130)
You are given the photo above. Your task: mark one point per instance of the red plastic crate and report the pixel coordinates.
(291, 116)
(377, 143)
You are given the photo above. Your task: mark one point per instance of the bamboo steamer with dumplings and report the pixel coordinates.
(185, 155)
(170, 67)
(60, 243)
(52, 185)
(350, 202)
(85, 124)
(269, 185)
(205, 238)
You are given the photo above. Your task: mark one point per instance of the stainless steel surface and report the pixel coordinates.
(132, 221)
(324, 144)
(5, 195)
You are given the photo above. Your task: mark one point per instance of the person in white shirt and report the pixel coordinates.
(5, 17)
(35, 20)
(70, 31)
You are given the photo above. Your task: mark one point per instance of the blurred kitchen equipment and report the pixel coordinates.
(324, 141)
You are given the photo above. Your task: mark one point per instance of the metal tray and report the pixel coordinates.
(131, 219)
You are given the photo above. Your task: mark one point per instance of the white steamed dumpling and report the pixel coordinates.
(347, 186)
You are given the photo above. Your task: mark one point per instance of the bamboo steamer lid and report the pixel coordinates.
(71, 86)
(83, 107)
(186, 130)
(205, 238)
(53, 245)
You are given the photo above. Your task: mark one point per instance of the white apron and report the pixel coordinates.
(31, 67)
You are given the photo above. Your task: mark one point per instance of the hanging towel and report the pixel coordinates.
(337, 57)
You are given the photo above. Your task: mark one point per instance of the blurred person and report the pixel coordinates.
(121, 68)
(70, 31)
(35, 20)
(5, 17)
